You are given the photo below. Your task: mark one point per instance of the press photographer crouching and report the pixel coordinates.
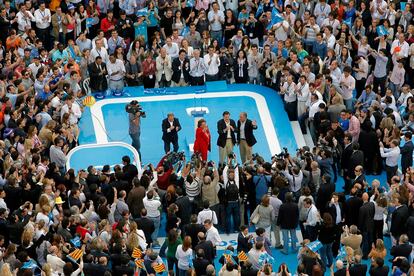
(135, 113)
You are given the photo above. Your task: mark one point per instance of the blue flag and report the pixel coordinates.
(32, 265)
(259, 10)
(381, 31)
(341, 253)
(76, 241)
(314, 246)
(89, 22)
(402, 5)
(185, 31)
(348, 22)
(276, 18)
(265, 258)
(190, 3)
(142, 12)
(190, 260)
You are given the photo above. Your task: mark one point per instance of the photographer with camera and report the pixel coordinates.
(134, 117)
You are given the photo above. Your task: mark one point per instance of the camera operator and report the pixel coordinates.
(295, 176)
(134, 118)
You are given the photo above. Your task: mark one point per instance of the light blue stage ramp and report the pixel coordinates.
(107, 120)
(99, 155)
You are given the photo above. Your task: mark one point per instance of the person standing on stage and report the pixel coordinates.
(226, 129)
(170, 128)
(245, 136)
(202, 143)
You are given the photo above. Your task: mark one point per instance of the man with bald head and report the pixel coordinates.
(55, 262)
(366, 224)
(206, 246)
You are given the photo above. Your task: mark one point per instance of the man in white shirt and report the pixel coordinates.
(152, 203)
(212, 233)
(399, 48)
(24, 19)
(43, 19)
(197, 68)
(347, 83)
(2, 196)
(35, 66)
(116, 73)
(212, 63)
(99, 51)
(206, 214)
(302, 93)
(288, 90)
(73, 109)
(171, 47)
(56, 263)
(391, 156)
(312, 219)
(361, 75)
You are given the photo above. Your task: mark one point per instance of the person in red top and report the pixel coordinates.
(163, 175)
(148, 71)
(108, 23)
(202, 144)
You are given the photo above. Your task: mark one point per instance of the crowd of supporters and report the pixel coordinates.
(343, 70)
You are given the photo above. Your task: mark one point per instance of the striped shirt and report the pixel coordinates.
(193, 189)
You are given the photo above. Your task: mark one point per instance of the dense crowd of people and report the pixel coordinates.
(343, 69)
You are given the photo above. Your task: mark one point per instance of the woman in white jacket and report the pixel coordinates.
(184, 254)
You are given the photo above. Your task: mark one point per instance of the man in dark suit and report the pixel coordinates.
(346, 156)
(399, 218)
(402, 249)
(378, 268)
(200, 263)
(325, 192)
(97, 73)
(352, 206)
(170, 128)
(288, 221)
(226, 129)
(357, 268)
(245, 136)
(192, 229)
(407, 152)
(146, 225)
(356, 159)
(243, 240)
(181, 69)
(359, 176)
(207, 246)
(366, 224)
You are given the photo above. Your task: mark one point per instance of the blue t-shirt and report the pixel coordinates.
(344, 124)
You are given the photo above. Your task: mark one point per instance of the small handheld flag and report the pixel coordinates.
(75, 255)
(76, 241)
(242, 256)
(159, 268)
(381, 31)
(314, 246)
(136, 253)
(139, 263)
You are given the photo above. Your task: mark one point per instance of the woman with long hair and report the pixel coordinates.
(173, 241)
(202, 143)
(183, 255)
(240, 68)
(381, 204)
(264, 210)
(327, 235)
(378, 250)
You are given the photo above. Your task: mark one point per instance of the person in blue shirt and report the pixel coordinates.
(319, 46)
(366, 98)
(60, 53)
(344, 121)
(141, 27)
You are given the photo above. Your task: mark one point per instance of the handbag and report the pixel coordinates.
(256, 217)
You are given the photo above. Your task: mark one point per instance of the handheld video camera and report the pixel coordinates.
(134, 107)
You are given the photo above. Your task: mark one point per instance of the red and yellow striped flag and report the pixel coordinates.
(242, 256)
(228, 258)
(76, 255)
(139, 263)
(159, 268)
(136, 253)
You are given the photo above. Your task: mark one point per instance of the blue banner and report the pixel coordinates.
(381, 31)
(314, 246)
